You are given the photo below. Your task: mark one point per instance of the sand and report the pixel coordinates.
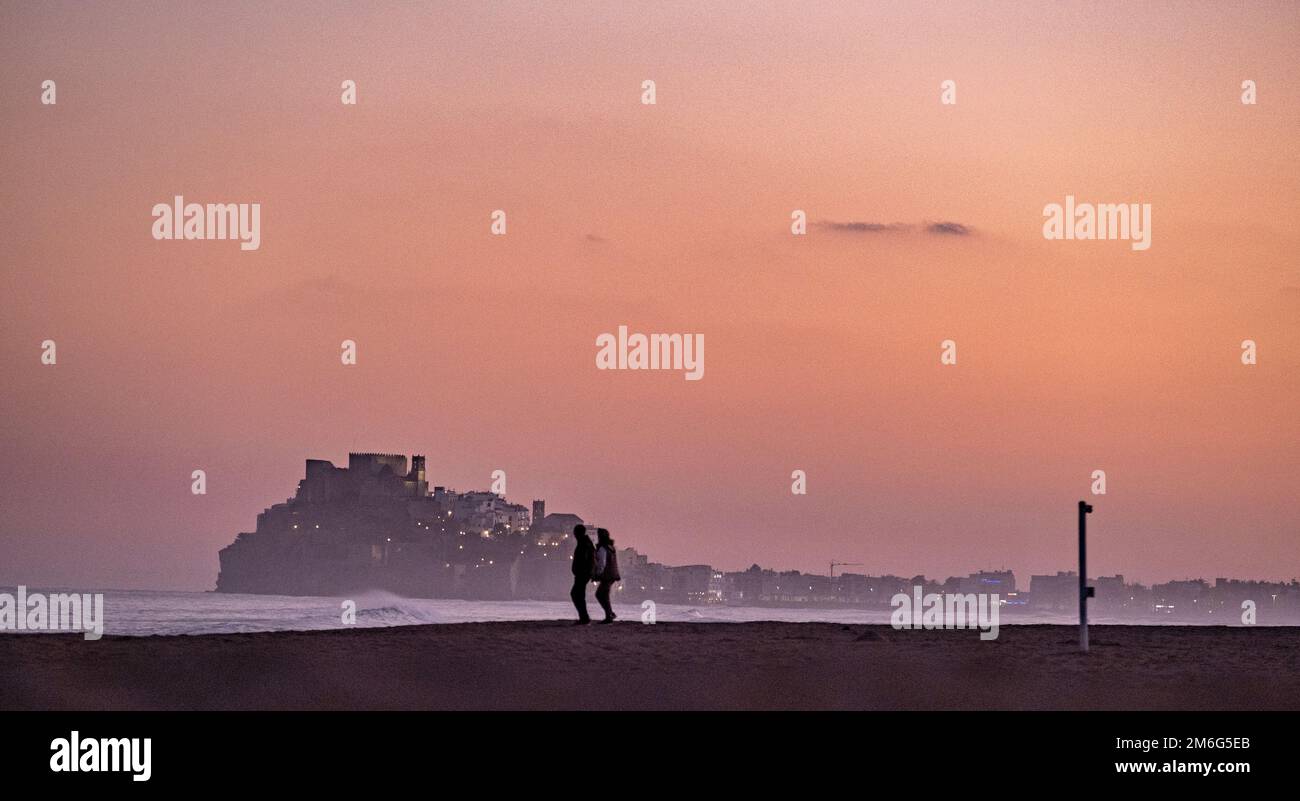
(709, 666)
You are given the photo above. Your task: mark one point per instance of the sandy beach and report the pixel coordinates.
(668, 666)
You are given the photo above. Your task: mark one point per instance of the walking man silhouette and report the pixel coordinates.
(584, 562)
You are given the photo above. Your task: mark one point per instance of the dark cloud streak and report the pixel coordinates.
(942, 228)
(866, 227)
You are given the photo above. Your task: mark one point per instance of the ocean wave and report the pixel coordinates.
(394, 616)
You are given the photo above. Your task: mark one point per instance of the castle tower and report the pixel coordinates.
(539, 511)
(417, 479)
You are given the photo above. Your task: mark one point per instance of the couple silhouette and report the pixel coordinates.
(597, 563)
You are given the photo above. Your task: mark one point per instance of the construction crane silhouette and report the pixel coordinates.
(835, 564)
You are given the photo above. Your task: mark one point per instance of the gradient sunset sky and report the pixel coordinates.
(822, 351)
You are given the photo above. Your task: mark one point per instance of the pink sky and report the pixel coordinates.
(822, 351)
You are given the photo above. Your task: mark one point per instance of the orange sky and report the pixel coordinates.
(822, 351)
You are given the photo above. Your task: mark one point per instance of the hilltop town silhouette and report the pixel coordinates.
(377, 524)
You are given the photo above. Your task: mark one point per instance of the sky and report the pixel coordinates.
(822, 350)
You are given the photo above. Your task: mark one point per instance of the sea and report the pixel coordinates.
(140, 613)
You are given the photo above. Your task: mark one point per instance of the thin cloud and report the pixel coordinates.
(941, 228)
(948, 229)
(855, 227)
